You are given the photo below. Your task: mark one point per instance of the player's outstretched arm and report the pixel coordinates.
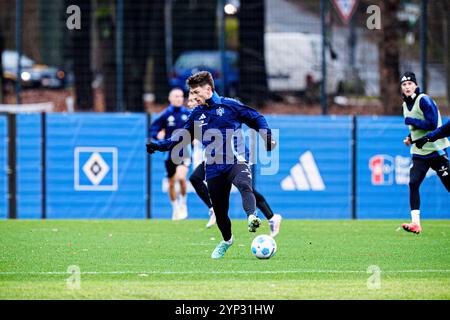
(152, 147)
(158, 125)
(256, 121)
(168, 144)
(439, 133)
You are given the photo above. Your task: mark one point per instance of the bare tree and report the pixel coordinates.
(81, 56)
(31, 31)
(104, 14)
(2, 47)
(389, 52)
(194, 26)
(158, 51)
(253, 78)
(136, 51)
(446, 35)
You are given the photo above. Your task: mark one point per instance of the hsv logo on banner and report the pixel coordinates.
(95, 169)
(345, 8)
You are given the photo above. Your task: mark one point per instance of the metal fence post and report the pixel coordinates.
(423, 43)
(19, 11)
(149, 175)
(354, 166)
(168, 27)
(323, 87)
(43, 165)
(12, 170)
(222, 45)
(119, 56)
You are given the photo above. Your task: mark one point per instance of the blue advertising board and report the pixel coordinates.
(96, 166)
(314, 179)
(383, 164)
(28, 166)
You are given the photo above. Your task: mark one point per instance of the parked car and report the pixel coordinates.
(33, 75)
(191, 62)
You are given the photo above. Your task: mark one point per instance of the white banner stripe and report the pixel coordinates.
(27, 108)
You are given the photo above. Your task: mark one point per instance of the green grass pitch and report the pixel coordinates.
(160, 259)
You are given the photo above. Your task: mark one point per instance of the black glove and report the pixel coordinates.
(421, 142)
(270, 144)
(152, 147)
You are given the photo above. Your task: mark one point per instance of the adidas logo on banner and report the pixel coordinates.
(304, 176)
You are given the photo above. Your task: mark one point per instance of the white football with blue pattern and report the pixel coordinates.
(264, 247)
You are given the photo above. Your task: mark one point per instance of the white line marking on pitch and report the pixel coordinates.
(214, 272)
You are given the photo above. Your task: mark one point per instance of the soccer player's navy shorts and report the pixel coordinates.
(171, 167)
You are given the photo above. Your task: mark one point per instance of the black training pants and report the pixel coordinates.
(197, 179)
(219, 191)
(418, 172)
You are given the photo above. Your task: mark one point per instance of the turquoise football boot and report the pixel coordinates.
(220, 250)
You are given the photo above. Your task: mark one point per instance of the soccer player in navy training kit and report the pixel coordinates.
(422, 117)
(226, 162)
(171, 119)
(197, 179)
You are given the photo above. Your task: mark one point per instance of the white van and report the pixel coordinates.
(292, 56)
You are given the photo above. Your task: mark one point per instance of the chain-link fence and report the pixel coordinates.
(118, 55)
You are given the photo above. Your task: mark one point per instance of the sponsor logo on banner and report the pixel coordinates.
(382, 167)
(304, 176)
(387, 170)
